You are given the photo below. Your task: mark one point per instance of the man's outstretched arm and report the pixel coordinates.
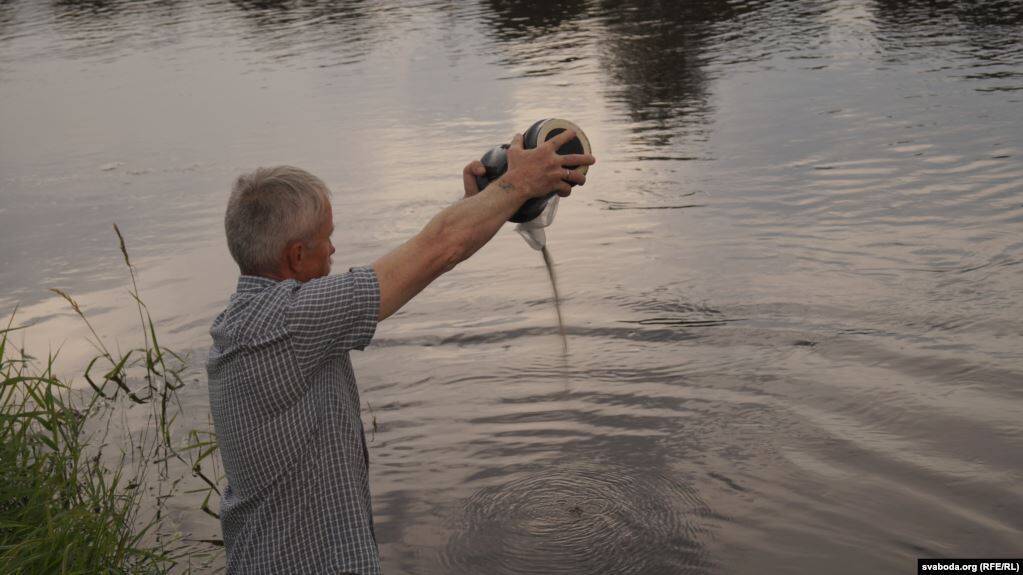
(461, 229)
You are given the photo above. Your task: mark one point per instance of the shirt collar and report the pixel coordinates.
(253, 284)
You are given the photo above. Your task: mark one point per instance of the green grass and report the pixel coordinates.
(80, 493)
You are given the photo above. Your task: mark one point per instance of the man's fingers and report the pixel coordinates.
(561, 139)
(469, 173)
(564, 189)
(475, 168)
(576, 177)
(577, 160)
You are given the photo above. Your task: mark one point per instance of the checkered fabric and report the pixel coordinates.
(286, 412)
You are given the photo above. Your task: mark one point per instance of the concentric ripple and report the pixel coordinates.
(581, 519)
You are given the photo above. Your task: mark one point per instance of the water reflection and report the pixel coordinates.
(1001, 16)
(6, 16)
(335, 32)
(988, 33)
(112, 28)
(87, 11)
(654, 53)
(524, 20)
(345, 30)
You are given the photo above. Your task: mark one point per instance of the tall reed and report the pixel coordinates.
(67, 503)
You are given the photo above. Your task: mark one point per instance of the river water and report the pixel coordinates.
(791, 288)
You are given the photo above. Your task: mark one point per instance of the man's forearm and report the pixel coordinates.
(471, 222)
(450, 237)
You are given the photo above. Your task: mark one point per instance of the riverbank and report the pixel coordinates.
(82, 490)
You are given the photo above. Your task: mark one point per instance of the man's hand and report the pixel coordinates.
(462, 228)
(541, 170)
(473, 169)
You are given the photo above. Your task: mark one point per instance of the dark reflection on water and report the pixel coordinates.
(292, 30)
(984, 40)
(327, 33)
(6, 15)
(656, 54)
(790, 287)
(541, 39)
(993, 24)
(525, 21)
(112, 28)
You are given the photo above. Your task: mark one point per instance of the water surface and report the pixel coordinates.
(790, 287)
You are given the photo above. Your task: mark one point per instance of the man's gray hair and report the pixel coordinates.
(270, 208)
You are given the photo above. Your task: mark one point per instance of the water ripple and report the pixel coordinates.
(582, 518)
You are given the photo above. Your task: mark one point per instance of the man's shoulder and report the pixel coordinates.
(333, 310)
(254, 311)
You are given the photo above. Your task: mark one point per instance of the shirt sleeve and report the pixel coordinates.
(334, 313)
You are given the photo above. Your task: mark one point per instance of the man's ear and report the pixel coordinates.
(295, 253)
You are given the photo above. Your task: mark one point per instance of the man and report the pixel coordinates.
(282, 391)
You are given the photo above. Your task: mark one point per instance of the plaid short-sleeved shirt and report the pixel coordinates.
(286, 412)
